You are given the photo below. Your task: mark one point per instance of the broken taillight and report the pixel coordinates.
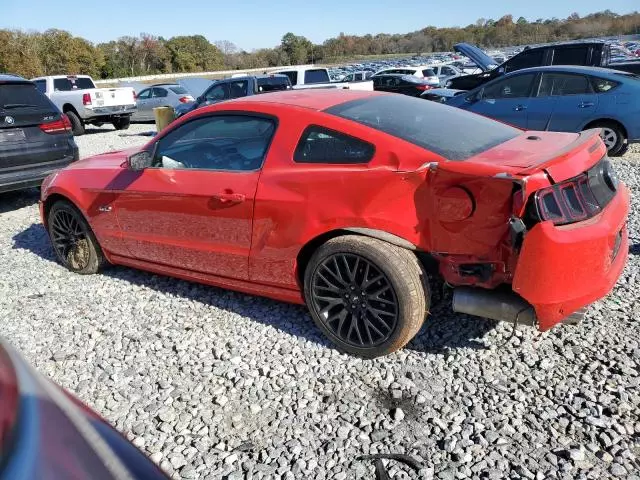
(578, 198)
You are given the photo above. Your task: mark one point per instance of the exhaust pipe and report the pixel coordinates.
(497, 305)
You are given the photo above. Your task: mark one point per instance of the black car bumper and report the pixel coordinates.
(31, 175)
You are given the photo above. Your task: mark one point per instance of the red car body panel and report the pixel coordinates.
(245, 230)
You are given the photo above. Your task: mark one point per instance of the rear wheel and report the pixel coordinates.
(614, 138)
(77, 124)
(122, 123)
(368, 296)
(74, 243)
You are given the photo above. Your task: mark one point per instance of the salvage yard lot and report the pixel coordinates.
(213, 383)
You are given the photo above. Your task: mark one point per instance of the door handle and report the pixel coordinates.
(229, 198)
(519, 108)
(585, 104)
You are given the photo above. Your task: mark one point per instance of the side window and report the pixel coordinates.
(316, 76)
(41, 85)
(222, 142)
(602, 85)
(145, 94)
(321, 145)
(526, 59)
(558, 84)
(570, 56)
(62, 85)
(217, 93)
(238, 89)
(293, 76)
(513, 87)
(159, 92)
(447, 71)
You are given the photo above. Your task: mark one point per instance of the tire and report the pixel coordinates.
(73, 241)
(122, 123)
(386, 319)
(614, 137)
(77, 125)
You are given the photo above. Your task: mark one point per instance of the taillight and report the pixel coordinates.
(9, 397)
(57, 126)
(185, 99)
(424, 87)
(86, 99)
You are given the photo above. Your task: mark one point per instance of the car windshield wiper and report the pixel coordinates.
(9, 106)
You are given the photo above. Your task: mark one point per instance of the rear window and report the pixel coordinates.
(429, 125)
(72, 83)
(401, 71)
(272, 84)
(428, 72)
(14, 95)
(316, 76)
(179, 90)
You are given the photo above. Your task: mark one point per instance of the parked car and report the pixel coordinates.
(45, 432)
(446, 72)
(426, 72)
(78, 98)
(593, 53)
(564, 99)
(317, 77)
(357, 76)
(35, 138)
(161, 95)
(404, 84)
(237, 87)
(349, 201)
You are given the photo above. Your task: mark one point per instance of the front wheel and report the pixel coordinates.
(122, 123)
(368, 296)
(74, 243)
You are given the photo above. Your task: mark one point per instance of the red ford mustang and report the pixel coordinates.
(346, 201)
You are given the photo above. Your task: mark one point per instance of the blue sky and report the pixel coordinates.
(254, 24)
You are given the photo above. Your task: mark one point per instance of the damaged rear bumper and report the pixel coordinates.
(562, 269)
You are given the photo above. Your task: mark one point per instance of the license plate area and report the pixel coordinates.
(13, 135)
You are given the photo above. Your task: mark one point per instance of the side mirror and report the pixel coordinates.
(139, 161)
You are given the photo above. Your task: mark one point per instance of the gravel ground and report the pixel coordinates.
(215, 384)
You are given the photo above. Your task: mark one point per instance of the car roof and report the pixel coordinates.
(573, 69)
(10, 77)
(165, 85)
(314, 98)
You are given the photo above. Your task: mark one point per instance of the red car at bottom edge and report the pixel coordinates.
(351, 202)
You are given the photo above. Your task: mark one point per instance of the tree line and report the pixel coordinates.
(56, 51)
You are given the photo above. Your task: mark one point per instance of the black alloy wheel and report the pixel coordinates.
(355, 300)
(73, 241)
(368, 296)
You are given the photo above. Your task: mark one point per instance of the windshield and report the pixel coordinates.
(430, 125)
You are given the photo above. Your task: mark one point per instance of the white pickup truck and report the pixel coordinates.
(316, 77)
(78, 97)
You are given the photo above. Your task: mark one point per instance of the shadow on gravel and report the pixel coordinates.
(443, 330)
(14, 200)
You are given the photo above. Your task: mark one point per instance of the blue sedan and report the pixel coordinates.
(563, 99)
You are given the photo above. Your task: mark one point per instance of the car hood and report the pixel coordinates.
(481, 59)
(105, 160)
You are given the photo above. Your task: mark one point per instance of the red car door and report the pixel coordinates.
(193, 208)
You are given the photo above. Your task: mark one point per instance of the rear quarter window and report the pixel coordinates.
(179, 90)
(429, 125)
(603, 85)
(322, 145)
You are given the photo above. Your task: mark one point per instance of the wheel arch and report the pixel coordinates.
(67, 107)
(53, 198)
(309, 248)
(594, 123)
